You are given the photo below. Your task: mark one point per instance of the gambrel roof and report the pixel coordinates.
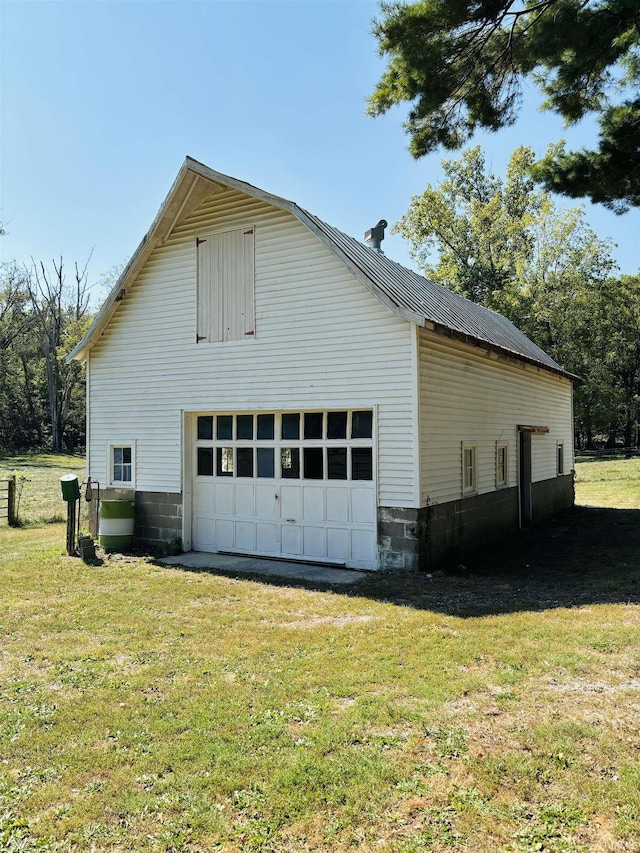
(404, 292)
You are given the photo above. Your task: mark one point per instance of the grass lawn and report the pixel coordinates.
(152, 709)
(38, 483)
(611, 483)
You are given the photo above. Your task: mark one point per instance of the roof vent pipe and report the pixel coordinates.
(374, 236)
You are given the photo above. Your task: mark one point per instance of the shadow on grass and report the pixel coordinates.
(581, 556)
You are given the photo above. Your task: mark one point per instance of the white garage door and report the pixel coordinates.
(286, 484)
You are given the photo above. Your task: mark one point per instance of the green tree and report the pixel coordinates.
(21, 417)
(474, 232)
(61, 316)
(573, 313)
(507, 246)
(460, 64)
(624, 309)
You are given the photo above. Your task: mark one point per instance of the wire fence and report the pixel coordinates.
(609, 453)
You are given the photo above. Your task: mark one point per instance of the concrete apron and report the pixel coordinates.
(267, 568)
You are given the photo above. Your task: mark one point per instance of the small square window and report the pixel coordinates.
(361, 463)
(245, 461)
(313, 463)
(224, 427)
(361, 424)
(205, 427)
(337, 463)
(291, 426)
(266, 462)
(205, 461)
(244, 427)
(290, 461)
(266, 427)
(313, 425)
(337, 425)
(224, 461)
(121, 464)
(469, 469)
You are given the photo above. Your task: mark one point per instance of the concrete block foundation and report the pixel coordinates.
(440, 534)
(158, 519)
(157, 516)
(409, 539)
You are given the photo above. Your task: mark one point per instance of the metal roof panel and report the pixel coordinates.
(437, 304)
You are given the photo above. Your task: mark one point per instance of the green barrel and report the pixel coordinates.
(70, 487)
(116, 525)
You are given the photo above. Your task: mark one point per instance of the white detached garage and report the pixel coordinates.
(260, 383)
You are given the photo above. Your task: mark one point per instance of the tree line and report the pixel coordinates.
(43, 315)
(502, 242)
(458, 67)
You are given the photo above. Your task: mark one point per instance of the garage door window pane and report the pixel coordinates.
(245, 462)
(313, 425)
(337, 425)
(313, 467)
(291, 426)
(244, 427)
(361, 424)
(224, 461)
(205, 461)
(205, 427)
(337, 463)
(265, 462)
(361, 463)
(265, 427)
(290, 461)
(224, 427)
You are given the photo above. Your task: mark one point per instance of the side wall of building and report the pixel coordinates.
(472, 397)
(469, 395)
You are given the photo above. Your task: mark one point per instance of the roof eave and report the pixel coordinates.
(167, 214)
(353, 267)
(135, 263)
(448, 332)
(170, 211)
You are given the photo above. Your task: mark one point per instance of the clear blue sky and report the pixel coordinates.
(101, 101)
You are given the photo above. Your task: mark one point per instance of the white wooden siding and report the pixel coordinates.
(467, 395)
(321, 341)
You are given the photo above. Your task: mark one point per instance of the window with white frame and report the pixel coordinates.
(121, 464)
(469, 469)
(560, 458)
(502, 464)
